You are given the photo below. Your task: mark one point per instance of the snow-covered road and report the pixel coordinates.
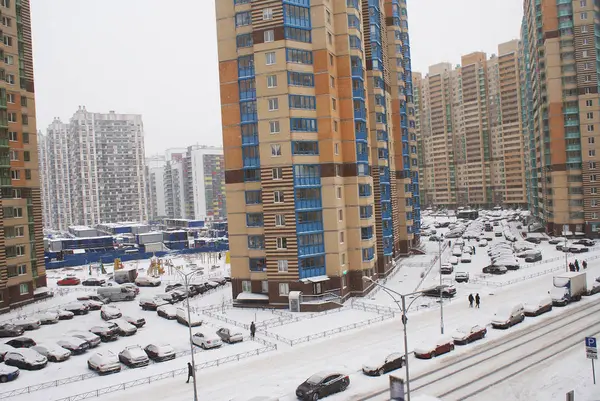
(467, 375)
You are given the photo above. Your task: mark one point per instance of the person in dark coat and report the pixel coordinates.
(477, 300)
(584, 264)
(571, 267)
(252, 330)
(576, 265)
(471, 299)
(190, 372)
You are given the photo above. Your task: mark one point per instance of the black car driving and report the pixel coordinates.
(321, 385)
(447, 291)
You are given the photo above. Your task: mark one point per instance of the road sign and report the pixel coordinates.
(591, 354)
(590, 342)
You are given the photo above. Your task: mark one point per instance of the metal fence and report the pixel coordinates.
(167, 375)
(374, 308)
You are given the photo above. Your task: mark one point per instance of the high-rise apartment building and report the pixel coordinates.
(560, 88)
(319, 127)
(97, 162)
(470, 131)
(21, 240)
(155, 170)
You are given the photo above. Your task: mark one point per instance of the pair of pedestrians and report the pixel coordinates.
(476, 299)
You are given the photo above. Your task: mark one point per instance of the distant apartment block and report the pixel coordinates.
(96, 161)
(560, 49)
(470, 131)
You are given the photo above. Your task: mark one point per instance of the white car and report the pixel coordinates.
(134, 357)
(483, 243)
(453, 260)
(92, 304)
(47, 317)
(465, 258)
(92, 339)
(53, 352)
(457, 251)
(160, 352)
(104, 363)
(206, 341)
(109, 312)
(25, 358)
(74, 344)
(27, 323)
(147, 281)
(182, 318)
(124, 328)
(77, 308)
(136, 321)
(167, 311)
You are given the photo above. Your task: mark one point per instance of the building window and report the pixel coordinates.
(243, 19)
(273, 104)
(331, 59)
(281, 242)
(256, 242)
(253, 197)
(592, 165)
(593, 190)
(284, 289)
(23, 101)
(334, 104)
(279, 220)
(588, 103)
(24, 289)
(275, 150)
(282, 266)
(584, 53)
(343, 259)
(6, 21)
(15, 174)
(340, 215)
(270, 56)
(13, 136)
(246, 286)
(329, 38)
(591, 139)
(267, 14)
(341, 237)
(244, 40)
(27, 174)
(583, 3)
(593, 202)
(25, 137)
(339, 192)
(332, 81)
(336, 148)
(254, 219)
(592, 152)
(25, 119)
(277, 173)
(10, 98)
(278, 197)
(264, 286)
(590, 128)
(22, 270)
(19, 231)
(274, 127)
(328, 16)
(5, 3)
(8, 40)
(271, 81)
(26, 156)
(12, 117)
(584, 15)
(269, 36)
(335, 125)
(20, 250)
(590, 116)
(14, 155)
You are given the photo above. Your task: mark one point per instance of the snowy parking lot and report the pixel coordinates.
(292, 346)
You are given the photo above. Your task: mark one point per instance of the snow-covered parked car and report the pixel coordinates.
(63, 314)
(206, 341)
(105, 332)
(453, 260)
(378, 366)
(167, 311)
(439, 347)
(75, 345)
(104, 363)
(593, 289)
(25, 358)
(109, 312)
(52, 352)
(461, 277)
(182, 318)
(447, 268)
(8, 373)
(77, 308)
(27, 323)
(124, 328)
(21, 342)
(10, 330)
(4, 348)
(465, 258)
(93, 304)
(92, 339)
(160, 352)
(229, 336)
(482, 243)
(152, 303)
(538, 306)
(468, 333)
(47, 317)
(134, 357)
(557, 240)
(147, 281)
(508, 316)
(136, 321)
(457, 251)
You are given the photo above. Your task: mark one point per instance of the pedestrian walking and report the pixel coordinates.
(584, 264)
(576, 265)
(471, 299)
(571, 267)
(252, 330)
(474, 250)
(190, 372)
(477, 300)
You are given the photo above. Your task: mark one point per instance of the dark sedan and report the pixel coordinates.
(467, 334)
(21, 342)
(321, 385)
(447, 291)
(378, 367)
(10, 330)
(93, 282)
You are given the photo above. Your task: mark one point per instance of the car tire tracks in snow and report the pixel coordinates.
(467, 375)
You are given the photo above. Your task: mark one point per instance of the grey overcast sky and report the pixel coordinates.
(159, 58)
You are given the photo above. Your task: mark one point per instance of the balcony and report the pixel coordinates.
(565, 25)
(4, 143)
(251, 162)
(360, 114)
(576, 147)
(571, 123)
(358, 93)
(5, 182)
(360, 135)
(4, 162)
(246, 72)
(362, 157)
(307, 181)
(357, 72)
(353, 4)
(313, 226)
(308, 250)
(249, 140)
(305, 204)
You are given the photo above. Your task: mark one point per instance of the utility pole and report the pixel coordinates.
(441, 288)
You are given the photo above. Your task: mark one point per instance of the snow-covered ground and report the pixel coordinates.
(278, 372)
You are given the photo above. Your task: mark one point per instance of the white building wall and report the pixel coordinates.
(200, 177)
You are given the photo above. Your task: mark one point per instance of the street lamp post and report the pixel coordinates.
(186, 278)
(441, 287)
(403, 308)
